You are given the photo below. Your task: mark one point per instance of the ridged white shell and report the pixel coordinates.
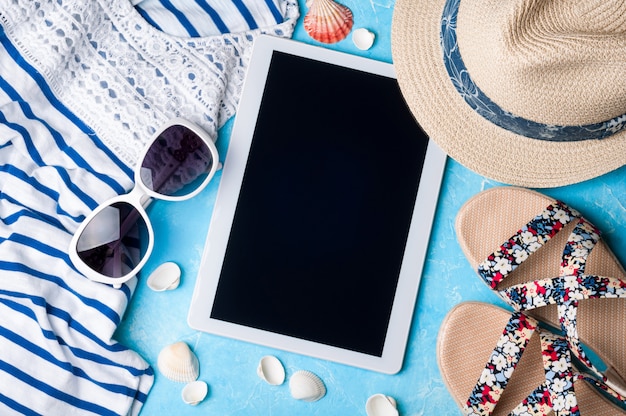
(307, 386)
(271, 370)
(363, 38)
(328, 21)
(178, 363)
(381, 405)
(164, 277)
(194, 392)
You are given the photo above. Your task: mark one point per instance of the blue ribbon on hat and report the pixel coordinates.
(479, 102)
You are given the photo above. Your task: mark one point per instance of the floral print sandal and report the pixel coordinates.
(555, 268)
(528, 373)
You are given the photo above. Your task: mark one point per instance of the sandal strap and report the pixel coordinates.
(581, 241)
(526, 241)
(600, 386)
(566, 292)
(555, 393)
(562, 290)
(557, 364)
(503, 360)
(542, 402)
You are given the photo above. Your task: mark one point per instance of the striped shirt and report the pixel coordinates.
(210, 17)
(83, 85)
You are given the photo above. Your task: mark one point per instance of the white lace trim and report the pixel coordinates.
(123, 77)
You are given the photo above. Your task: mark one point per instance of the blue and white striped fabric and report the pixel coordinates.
(210, 17)
(83, 84)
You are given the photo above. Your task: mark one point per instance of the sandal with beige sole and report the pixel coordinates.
(543, 258)
(529, 372)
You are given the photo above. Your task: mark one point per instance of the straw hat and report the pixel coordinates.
(526, 92)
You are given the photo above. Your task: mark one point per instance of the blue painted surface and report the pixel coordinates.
(155, 320)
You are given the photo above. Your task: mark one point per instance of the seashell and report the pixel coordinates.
(271, 370)
(178, 363)
(328, 21)
(194, 392)
(381, 405)
(164, 277)
(363, 38)
(306, 386)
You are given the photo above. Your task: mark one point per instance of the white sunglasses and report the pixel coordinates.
(114, 242)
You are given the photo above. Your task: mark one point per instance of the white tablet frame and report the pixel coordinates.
(226, 202)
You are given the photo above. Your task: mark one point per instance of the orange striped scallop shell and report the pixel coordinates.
(328, 21)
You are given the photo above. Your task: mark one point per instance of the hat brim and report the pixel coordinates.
(465, 135)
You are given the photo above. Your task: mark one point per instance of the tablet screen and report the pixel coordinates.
(325, 206)
(321, 223)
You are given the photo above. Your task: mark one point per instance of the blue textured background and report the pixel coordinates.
(154, 320)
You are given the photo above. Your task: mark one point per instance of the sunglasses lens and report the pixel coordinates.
(113, 242)
(177, 162)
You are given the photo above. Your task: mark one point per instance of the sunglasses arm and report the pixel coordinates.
(145, 201)
(136, 197)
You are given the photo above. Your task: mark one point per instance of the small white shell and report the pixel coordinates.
(381, 405)
(363, 38)
(306, 386)
(178, 363)
(271, 370)
(165, 277)
(194, 392)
